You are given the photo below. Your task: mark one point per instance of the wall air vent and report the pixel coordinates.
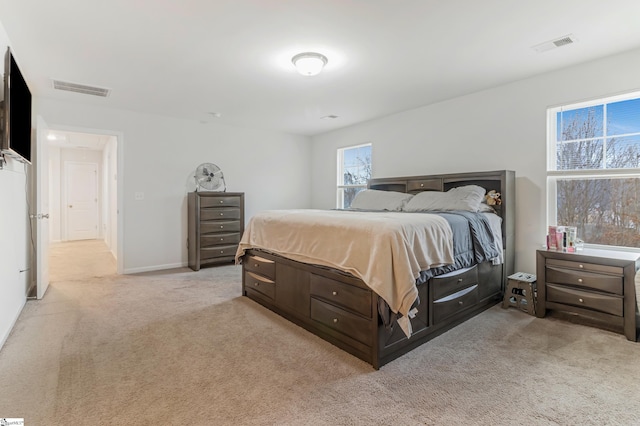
(553, 44)
(80, 88)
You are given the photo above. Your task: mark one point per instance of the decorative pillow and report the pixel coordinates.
(373, 199)
(466, 197)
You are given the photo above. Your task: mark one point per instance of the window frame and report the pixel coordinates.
(340, 186)
(553, 175)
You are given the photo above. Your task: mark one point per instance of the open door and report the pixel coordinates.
(41, 218)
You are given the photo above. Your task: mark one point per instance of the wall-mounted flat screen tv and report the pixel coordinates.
(16, 112)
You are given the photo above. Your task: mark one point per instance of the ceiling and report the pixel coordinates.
(196, 59)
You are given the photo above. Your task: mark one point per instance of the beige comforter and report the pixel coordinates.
(387, 250)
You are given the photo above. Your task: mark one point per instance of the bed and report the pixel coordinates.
(377, 284)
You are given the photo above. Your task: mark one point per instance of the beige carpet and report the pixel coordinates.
(184, 348)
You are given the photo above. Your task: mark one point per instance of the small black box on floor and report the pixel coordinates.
(521, 292)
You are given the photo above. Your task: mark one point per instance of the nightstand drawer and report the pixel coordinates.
(446, 284)
(609, 304)
(209, 240)
(584, 266)
(219, 214)
(220, 201)
(219, 226)
(340, 320)
(260, 265)
(353, 298)
(260, 284)
(590, 280)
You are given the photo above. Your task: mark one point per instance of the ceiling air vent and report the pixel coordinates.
(552, 44)
(80, 88)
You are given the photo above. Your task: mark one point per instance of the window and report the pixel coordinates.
(593, 170)
(354, 170)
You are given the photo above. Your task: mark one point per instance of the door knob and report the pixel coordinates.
(70, 206)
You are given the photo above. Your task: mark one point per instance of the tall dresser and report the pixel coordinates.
(216, 223)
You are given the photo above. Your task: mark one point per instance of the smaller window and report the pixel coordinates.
(354, 170)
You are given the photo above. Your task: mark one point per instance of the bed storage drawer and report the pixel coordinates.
(446, 284)
(454, 303)
(338, 319)
(610, 304)
(260, 284)
(424, 185)
(260, 265)
(220, 214)
(346, 296)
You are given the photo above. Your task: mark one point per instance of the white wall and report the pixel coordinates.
(499, 128)
(160, 156)
(15, 248)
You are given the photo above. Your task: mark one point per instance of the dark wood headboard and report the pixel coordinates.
(502, 181)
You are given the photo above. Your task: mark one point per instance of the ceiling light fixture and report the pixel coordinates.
(309, 63)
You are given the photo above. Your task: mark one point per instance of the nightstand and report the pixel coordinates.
(597, 284)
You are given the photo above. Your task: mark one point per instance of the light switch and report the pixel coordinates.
(139, 196)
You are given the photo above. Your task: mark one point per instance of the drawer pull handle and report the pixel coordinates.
(579, 280)
(221, 226)
(221, 201)
(221, 251)
(256, 284)
(581, 300)
(256, 265)
(221, 214)
(581, 266)
(461, 303)
(221, 239)
(335, 320)
(421, 185)
(335, 293)
(459, 280)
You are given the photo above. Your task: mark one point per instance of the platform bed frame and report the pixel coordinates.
(342, 310)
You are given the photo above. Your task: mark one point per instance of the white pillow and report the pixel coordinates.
(466, 197)
(373, 199)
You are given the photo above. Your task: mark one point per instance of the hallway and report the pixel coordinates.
(76, 260)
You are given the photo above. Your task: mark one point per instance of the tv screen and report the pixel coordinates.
(16, 135)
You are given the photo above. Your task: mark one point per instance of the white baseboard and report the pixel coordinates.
(4, 338)
(155, 268)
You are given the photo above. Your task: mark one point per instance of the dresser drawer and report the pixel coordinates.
(454, 303)
(352, 325)
(609, 304)
(260, 265)
(219, 226)
(219, 214)
(583, 266)
(220, 201)
(209, 240)
(347, 296)
(424, 185)
(217, 251)
(446, 284)
(260, 284)
(590, 280)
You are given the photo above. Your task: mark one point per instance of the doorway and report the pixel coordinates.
(83, 198)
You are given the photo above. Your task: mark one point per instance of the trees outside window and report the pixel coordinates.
(594, 170)
(354, 170)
